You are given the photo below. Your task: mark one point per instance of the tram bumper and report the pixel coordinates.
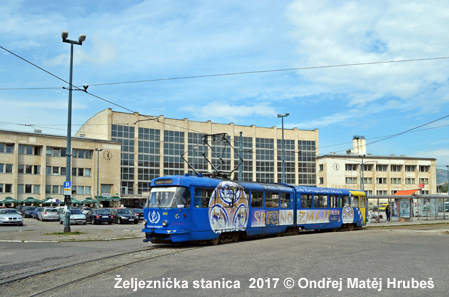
(166, 236)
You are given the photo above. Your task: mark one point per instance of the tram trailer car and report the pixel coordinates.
(195, 208)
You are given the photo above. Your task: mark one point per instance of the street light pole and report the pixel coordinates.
(67, 200)
(98, 175)
(283, 155)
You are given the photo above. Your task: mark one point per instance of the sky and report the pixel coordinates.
(316, 60)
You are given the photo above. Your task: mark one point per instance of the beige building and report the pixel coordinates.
(152, 146)
(34, 165)
(380, 175)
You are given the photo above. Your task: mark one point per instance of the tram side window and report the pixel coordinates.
(344, 201)
(306, 201)
(271, 200)
(320, 201)
(362, 201)
(285, 200)
(333, 201)
(355, 201)
(202, 197)
(256, 199)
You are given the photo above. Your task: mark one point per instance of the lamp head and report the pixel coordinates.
(64, 35)
(82, 38)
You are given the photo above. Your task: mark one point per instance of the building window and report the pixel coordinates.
(381, 192)
(367, 167)
(247, 155)
(351, 167)
(82, 154)
(396, 168)
(196, 153)
(381, 180)
(424, 181)
(424, 168)
(381, 167)
(5, 168)
(6, 148)
(410, 168)
(127, 188)
(321, 167)
(29, 150)
(321, 180)
(351, 180)
(367, 180)
(396, 181)
(410, 181)
(289, 160)
(265, 160)
(56, 152)
(307, 162)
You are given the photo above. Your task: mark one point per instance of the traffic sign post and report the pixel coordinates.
(67, 203)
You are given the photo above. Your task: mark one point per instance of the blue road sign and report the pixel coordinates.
(67, 184)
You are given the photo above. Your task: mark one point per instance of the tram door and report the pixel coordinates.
(358, 199)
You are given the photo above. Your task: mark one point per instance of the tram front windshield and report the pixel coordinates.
(168, 197)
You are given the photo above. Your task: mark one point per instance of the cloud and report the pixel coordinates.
(336, 118)
(101, 52)
(442, 156)
(217, 111)
(347, 32)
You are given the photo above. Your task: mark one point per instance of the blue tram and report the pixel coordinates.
(196, 208)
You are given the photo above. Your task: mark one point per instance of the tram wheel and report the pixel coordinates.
(235, 237)
(215, 241)
(350, 227)
(295, 231)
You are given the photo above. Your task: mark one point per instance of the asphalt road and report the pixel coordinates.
(388, 261)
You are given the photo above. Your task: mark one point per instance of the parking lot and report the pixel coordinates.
(34, 230)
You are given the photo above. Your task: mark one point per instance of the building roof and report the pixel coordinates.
(393, 157)
(39, 134)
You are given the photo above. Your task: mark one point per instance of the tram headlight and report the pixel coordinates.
(165, 223)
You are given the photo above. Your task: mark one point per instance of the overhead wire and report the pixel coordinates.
(234, 73)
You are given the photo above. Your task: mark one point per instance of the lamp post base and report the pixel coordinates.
(67, 230)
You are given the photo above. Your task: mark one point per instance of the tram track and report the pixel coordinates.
(51, 280)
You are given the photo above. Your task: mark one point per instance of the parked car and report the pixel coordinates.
(35, 213)
(19, 208)
(123, 215)
(76, 216)
(138, 212)
(383, 206)
(86, 209)
(48, 214)
(99, 215)
(27, 211)
(10, 216)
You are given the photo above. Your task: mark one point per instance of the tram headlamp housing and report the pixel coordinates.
(164, 223)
